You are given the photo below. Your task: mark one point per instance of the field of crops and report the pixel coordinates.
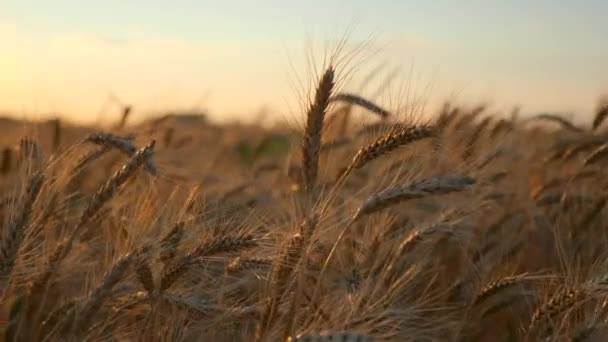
(467, 225)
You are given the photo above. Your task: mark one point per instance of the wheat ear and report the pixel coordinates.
(15, 231)
(126, 112)
(143, 271)
(474, 137)
(563, 122)
(241, 264)
(601, 114)
(422, 188)
(361, 102)
(90, 157)
(549, 310)
(314, 129)
(597, 155)
(224, 244)
(494, 288)
(7, 160)
(328, 336)
(94, 301)
(122, 144)
(388, 143)
(170, 242)
(56, 142)
(287, 263)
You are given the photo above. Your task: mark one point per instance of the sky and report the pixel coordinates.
(238, 58)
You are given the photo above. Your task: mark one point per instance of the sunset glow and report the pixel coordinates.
(234, 57)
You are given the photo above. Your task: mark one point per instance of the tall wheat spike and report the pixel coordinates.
(314, 129)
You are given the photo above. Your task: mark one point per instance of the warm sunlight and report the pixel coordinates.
(303, 171)
(65, 57)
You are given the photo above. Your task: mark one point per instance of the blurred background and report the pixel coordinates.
(252, 60)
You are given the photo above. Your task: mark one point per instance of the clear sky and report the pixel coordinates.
(235, 57)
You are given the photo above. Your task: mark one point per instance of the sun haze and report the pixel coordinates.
(234, 58)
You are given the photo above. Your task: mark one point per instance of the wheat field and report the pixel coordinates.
(466, 226)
